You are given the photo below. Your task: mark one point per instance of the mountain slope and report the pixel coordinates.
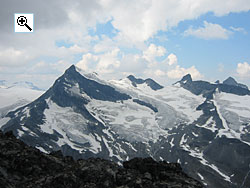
(85, 116)
(16, 95)
(34, 169)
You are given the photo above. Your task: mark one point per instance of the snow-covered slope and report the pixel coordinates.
(15, 96)
(188, 122)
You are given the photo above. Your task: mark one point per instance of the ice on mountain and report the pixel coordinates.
(14, 95)
(41, 149)
(201, 177)
(171, 142)
(70, 125)
(26, 112)
(3, 121)
(20, 133)
(234, 110)
(196, 135)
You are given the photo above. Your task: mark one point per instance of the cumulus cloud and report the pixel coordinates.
(209, 31)
(88, 60)
(243, 70)
(172, 59)
(104, 45)
(147, 17)
(13, 57)
(159, 72)
(134, 21)
(103, 63)
(108, 62)
(43, 67)
(179, 72)
(77, 49)
(153, 51)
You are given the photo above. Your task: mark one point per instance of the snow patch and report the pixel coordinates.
(196, 135)
(120, 118)
(198, 154)
(20, 133)
(42, 149)
(3, 121)
(171, 142)
(201, 177)
(13, 95)
(70, 125)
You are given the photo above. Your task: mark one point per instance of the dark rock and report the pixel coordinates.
(232, 82)
(187, 78)
(57, 153)
(22, 166)
(151, 83)
(154, 85)
(207, 89)
(146, 104)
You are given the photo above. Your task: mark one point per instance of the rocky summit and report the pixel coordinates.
(24, 166)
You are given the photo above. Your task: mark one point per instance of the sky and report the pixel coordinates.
(160, 39)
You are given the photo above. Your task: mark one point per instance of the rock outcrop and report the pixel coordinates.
(22, 166)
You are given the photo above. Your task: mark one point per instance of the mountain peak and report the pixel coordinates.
(186, 78)
(71, 69)
(135, 80)
(150, 82)
(231, 81)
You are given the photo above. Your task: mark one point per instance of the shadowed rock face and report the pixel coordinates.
(151, 83)
(23, 166)
(207, 89)
(231, 81)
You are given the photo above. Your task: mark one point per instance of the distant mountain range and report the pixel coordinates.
(201, 125)
(17, 94)
(22, 84)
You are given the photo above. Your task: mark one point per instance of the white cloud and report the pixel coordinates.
(13, 57)
(103, 63)
(77, 49)
(104, 45)
(88, 60)
(209, 31)
(43, 67)
(243, 70)
(172, 59)
(108, 62)
(179, 72)
(159, 72)
(238, 29)
(140, 20)
(153, 51)
(135, 22)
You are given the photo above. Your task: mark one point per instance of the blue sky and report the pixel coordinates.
(161, 39)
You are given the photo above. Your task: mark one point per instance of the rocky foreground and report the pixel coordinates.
(23, 166)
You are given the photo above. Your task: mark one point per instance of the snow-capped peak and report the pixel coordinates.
(90, 75)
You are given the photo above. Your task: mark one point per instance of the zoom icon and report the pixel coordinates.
(24, 23)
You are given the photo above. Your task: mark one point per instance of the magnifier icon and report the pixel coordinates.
(22, 21)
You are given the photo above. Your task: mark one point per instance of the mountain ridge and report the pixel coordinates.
(85, 117)
(232, 81)
(208, 89)
(151, 83)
